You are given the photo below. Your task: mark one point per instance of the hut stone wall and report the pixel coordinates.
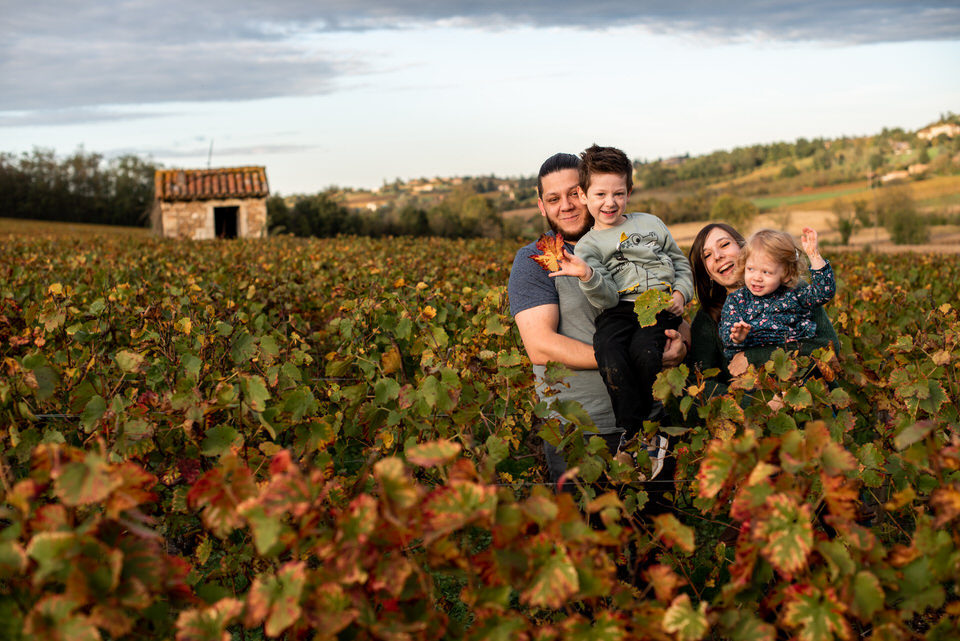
(195, 218)
(203, 204)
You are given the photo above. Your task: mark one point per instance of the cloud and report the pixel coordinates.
(67, 55)
(218, 152)
(54, 117)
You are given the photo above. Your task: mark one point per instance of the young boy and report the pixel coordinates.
(621, 256)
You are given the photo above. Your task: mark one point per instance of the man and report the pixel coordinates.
(556, 322)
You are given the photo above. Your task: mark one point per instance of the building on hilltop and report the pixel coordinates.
(948, 129)
(210, 203)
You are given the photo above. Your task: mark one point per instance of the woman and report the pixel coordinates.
(713, 257)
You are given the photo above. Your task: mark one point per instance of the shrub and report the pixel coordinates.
(844, 220)
(897, 211)
(736, 211)
(789, 171)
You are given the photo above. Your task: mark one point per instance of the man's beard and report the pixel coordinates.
(571, 237)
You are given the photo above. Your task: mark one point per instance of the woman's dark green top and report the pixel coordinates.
(706, 351)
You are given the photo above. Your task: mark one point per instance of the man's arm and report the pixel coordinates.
(538, 331)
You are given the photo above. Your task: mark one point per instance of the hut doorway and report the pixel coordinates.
(225, 222)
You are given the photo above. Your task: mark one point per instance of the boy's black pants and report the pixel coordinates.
(629, 358)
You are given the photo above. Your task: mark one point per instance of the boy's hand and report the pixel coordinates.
(676, 306)
(812, 248)
(572, 265)
(739, 331)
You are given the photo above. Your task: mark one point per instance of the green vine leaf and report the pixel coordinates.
(209, 624)
(818, 615)
(649, 303)
(434, 453)
(785, 534)
(684, 622)
(554, 583)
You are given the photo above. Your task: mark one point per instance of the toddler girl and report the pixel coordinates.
(773, 307)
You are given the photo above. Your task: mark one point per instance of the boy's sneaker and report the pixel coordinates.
(657, 448)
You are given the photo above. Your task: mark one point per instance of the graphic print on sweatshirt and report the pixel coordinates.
(643, 254)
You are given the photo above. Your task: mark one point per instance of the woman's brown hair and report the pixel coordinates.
(710, 294)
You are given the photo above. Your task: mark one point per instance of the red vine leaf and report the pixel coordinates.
(276, 599)
(552, 248)
(209, 624)
(219, 492)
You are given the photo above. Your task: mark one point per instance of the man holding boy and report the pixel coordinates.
(623, 255)
(555, 320)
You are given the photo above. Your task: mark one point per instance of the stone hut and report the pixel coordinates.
(210, 203)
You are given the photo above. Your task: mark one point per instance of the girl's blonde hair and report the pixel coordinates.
(780, 246)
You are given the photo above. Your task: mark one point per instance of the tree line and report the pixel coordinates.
(82, 187)
(463, 213)
(87, 188)
(824, 161)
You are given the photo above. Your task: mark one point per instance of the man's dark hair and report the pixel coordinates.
(556, 162)
(604, 160)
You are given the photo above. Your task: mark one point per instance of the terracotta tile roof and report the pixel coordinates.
(209, 184)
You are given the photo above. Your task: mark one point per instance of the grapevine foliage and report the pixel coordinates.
(339, 439)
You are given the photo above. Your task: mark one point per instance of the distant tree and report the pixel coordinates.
(803, 148)
(443, 221)
(79, 188)
(479, 218)
(822, 159)
(863, 213)
(736, 211)
(898, 212)
(779, 151)
(789, 171)
(692, 207)
(875, 161)
(318, 215)
(653, 175)
(844, 219)
(132, 188)
(924, 154)
(413, 221)
(278, 216)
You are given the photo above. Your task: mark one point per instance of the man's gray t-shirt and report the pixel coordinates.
(530, 286)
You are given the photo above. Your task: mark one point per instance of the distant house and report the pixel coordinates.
(900, 147)
(210, 203)
(933, 131)
(895, 176)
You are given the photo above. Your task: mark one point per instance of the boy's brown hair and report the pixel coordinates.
(781, 247)
(604, 160)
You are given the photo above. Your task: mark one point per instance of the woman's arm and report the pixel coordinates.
(825, 335)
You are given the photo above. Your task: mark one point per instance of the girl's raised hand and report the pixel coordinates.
(812, 248)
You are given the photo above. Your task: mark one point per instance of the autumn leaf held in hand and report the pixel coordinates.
(552, 248)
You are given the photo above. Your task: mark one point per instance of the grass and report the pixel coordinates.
(767, 203)
(18, 226)
(938, 191)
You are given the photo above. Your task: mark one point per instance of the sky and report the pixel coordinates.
(356, 93)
